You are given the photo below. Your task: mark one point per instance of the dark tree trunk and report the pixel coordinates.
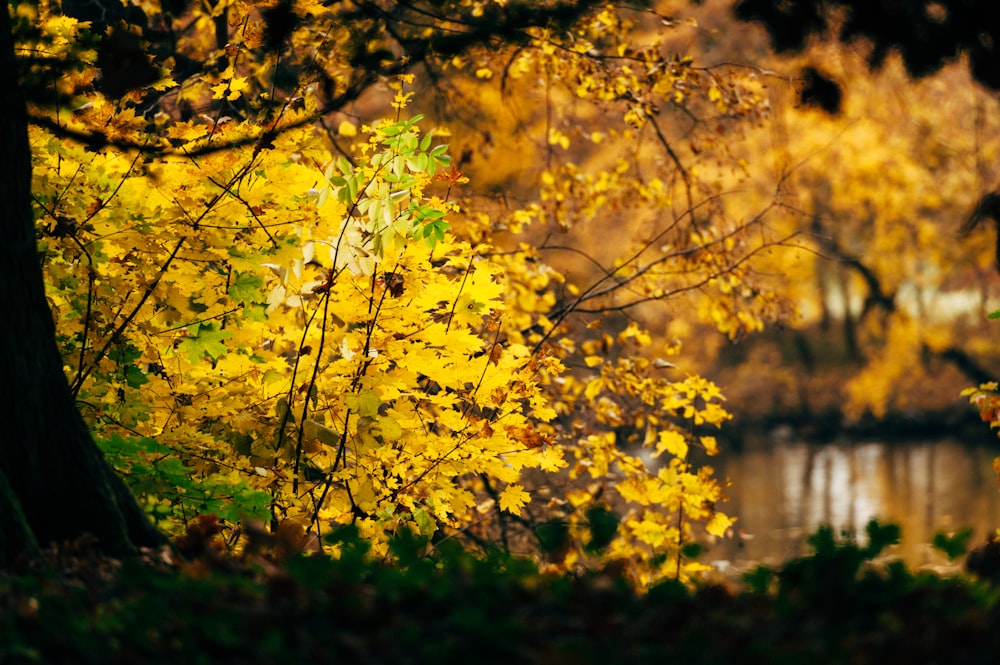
(54, 483)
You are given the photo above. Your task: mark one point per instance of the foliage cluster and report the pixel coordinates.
(442, 604)
(272, 304)
(986, 399)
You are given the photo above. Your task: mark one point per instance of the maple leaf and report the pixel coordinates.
(246, 288)
(551, 459)
(513, 498)
(468, 311)
(230, 90)
(365, 403)
(719, 524)
(204, 339)
(673, 443)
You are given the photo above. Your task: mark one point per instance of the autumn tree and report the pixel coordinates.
(275, 299)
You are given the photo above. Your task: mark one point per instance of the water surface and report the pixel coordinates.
(782, 490)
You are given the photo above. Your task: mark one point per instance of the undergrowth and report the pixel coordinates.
(442, 604)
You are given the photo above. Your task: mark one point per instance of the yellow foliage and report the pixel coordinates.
(351, 331)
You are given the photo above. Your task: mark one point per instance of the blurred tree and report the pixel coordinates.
(895, 291)
(928, 34)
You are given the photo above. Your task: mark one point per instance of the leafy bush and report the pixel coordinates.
(174, 492)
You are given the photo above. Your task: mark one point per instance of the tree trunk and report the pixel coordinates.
(54, 482)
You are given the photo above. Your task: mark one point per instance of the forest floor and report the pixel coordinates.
(73, 606)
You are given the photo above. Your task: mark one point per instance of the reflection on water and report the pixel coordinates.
(781, 492)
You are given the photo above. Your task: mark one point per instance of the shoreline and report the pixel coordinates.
(832, 425)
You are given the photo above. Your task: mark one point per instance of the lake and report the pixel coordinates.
(783, 489)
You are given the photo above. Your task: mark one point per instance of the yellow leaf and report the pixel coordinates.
(594, 387)
(650, 532)
(347, 128)
(220, 90)
(544, 413)
(236, 86)
(710, 444)
(719, 524)
(673, 443)
(558, 138)
(484, 73)
(513, 498)
(164, 83)
(551, 459)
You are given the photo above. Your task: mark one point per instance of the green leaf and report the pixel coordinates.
(364, 403)
(135, 377)
(428, 213)
(205, 339)
(389, 428)
(880, 536)
(425, 523)
(823, 541)
(127, 353)
(759, 581)
(426, 142)
(553, 536)
(173, 469)
(603, 526)
(418, 163)
(246, 288)
(316, 431)
(433, 232)
(257, 314)
(352, 189)
(953, 546)
(393, 130)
